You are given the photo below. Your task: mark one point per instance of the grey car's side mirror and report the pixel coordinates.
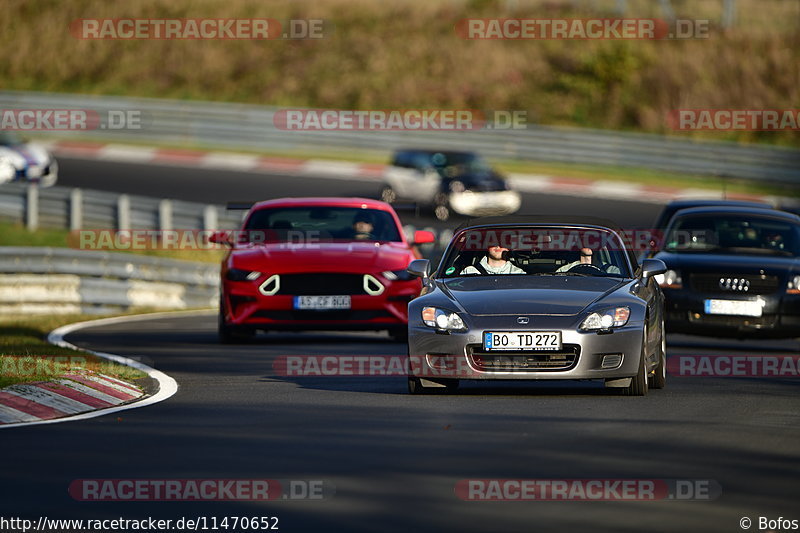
(652, 267)
(419, 268)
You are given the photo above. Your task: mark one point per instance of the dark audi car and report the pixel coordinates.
(732, 270)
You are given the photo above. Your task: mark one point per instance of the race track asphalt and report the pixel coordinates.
(395, 459)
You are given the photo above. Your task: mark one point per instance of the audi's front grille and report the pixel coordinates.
(524, 361)
(322, 284)
(733, 283)
(765, 322)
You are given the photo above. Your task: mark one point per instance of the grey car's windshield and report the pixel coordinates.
(538, 251)
(733, 234)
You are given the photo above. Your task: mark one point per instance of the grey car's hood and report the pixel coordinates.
(527, 295)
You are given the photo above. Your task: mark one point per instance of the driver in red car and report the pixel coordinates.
(363, 227)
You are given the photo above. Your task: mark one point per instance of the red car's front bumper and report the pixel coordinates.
(246, 305)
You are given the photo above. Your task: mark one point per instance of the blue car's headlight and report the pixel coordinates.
(442, 319)
(606, 319)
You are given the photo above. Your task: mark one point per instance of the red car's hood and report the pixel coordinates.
(328, 257)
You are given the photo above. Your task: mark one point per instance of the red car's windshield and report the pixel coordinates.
(321, 224)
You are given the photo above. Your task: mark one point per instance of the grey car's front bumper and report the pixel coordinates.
(459, 355)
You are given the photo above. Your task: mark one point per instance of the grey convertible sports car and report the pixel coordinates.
(525, 298)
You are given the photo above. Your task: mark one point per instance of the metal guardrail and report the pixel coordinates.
(35, 280)
(251, 126)
(70, 208)
(61, 280)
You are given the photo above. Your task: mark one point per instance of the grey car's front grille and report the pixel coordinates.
(524, 361)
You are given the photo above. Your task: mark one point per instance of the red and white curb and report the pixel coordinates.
(80, 396)
(74, 393)
(342, 170)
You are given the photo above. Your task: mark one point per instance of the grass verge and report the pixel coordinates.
(18, 235)
(25, 354)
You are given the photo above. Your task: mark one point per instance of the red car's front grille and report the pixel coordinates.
(335, 315)
(322, 284)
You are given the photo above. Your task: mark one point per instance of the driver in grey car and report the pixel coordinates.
(586, 259)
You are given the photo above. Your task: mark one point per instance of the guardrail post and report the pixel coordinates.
(32, 207)
(75, 209)
(210, 218)
(165, 215)
(729, 14)
(123, 212)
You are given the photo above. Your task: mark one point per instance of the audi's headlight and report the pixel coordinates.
(671, 279)
(397, 275)
(442, 319)
(794, 285)
(236, 274)
(607, 319)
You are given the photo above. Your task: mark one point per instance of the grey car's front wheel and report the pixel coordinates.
(638, 386)
(659, 377)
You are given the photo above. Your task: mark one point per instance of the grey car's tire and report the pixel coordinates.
(659, 378)
(638, 386)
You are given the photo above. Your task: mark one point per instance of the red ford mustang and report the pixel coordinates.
(317, 263)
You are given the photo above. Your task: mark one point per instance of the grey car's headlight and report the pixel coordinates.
(442, 319)
(607, 319)
(671, 279)
(236, 274)
(794, 285)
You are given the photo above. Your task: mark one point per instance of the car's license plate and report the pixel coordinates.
(521, 340)
(322, 302)
(35, 171)
(733, 307)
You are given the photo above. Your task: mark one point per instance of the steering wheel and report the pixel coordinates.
(586, 268)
